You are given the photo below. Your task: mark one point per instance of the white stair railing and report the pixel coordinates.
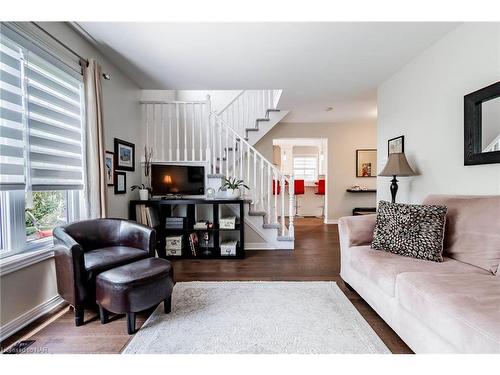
(242, 112)
(190, 131)
(232, 156)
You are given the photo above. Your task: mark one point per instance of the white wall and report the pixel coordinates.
(343, 140)
(23, 290)
(218, 98)
(424, 102)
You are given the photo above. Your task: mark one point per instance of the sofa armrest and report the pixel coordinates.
(356, 230)
(139, 236)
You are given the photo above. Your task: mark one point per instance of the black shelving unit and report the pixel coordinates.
(165, 208)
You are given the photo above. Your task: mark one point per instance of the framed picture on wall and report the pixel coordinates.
(109, 166)
(396, 145)
(124, 155)
(366, 163)
(120, 182)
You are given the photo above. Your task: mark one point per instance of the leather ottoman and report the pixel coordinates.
(134, 287)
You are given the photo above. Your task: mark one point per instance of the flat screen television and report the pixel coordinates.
(177, 179)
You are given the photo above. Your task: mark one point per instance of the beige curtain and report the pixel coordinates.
(95, 187)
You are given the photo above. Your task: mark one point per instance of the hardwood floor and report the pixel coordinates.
(316, 257)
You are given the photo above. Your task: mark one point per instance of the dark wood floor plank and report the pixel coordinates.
(316, 258)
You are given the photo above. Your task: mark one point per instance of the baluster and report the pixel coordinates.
(248, 164)
(276, 184)
(207, 116)
(291, 209)
(200, 123)
(169, 113)
(240, 145)
(269, 191)
(153, 129)
(226, 152)
(282, 193)
(219, 136)
(185, 131)
(178, 120)
(193, 147)
(162, 140)
(233, 154)
(255, 179)
(262, 185)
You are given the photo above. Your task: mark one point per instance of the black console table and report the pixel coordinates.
(165, 207)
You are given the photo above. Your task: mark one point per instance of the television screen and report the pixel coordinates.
(177, 179)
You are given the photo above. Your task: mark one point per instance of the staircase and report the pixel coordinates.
(223, 141)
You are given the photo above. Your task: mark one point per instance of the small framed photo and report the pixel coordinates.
(396, 145)
(366, 163)
(124, 155)
(120, 182)
(109, 166)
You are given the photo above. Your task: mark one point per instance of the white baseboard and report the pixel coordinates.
(332, 221)
(30, 316)
(260, 246)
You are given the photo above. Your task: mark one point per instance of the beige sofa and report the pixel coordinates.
(448, 307)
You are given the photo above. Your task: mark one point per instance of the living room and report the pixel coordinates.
(250, 187)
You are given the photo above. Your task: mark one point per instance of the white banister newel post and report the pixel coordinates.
(291, 209)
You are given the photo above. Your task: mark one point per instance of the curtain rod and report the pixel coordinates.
(81, 58)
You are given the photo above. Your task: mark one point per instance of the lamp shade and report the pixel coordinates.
(397, 165)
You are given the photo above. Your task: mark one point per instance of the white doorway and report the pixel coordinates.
(306, 159)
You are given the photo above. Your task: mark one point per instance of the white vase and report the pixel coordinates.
(143, 194)
(233, 193)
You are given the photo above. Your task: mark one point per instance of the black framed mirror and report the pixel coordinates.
(482, 126)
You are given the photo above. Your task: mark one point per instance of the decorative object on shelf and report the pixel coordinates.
(232, 186)
(206, 238)
(228, 248)
(120, 182)
(148, 157)
(193, 243)
(109, 164)
(227, 222)
(396, 145)
(125, 155)
(211, 193)
(143, 191)
(397, 165)
(173, 245)
(481, 126)
(366, 163)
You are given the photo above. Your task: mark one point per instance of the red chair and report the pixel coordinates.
(299, 189)
(320, 190)
(276, 186)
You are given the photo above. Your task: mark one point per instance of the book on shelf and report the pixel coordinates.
(146, 215)
(193, 243)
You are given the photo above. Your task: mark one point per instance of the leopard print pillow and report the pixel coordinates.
(410, 230)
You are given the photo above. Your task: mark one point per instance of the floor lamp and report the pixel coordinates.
(397, 165)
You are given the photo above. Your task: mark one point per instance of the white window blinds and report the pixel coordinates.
(41, 120)
(12, 140)
(305, 168)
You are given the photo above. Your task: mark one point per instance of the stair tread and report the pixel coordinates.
(262, 119)
(256, 213)
(251, 129)
(271, 226)
(285, 238)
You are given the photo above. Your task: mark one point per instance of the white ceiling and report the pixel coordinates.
(337, 64)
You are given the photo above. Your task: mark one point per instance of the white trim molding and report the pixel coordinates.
(260, 246)
(332, 221)
(16, 262)
(30, 316)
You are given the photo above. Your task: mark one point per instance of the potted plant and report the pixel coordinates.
(232, 187)
(144, 190)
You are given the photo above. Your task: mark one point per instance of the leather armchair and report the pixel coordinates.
(86, 248)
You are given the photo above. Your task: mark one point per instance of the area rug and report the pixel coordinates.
(256, 317)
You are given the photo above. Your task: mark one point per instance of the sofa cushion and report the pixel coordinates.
(99, 260)
(410, 230)
(464, 309)
(472, 229)
(382, 268)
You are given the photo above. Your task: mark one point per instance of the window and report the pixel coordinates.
(41, 144)
(305, 168)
